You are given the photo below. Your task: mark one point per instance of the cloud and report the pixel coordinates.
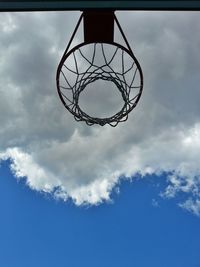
(191, 206)
(155, 203)
(71, 160)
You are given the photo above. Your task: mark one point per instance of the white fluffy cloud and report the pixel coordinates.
(71, 160)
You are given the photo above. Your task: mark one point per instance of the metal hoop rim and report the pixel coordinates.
(64, 58)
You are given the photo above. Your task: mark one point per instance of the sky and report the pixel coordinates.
(79, 195)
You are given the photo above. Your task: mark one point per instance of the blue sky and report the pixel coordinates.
(35, 230)
(100, 196)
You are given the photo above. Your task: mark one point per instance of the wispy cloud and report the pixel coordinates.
(85, 163)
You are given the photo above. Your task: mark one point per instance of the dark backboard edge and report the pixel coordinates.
(53, 5)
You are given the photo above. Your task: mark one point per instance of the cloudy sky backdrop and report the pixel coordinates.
(57, 155)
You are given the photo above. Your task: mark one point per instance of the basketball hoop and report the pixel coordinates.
(99, 58)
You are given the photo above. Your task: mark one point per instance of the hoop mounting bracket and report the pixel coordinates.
(98, 26)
